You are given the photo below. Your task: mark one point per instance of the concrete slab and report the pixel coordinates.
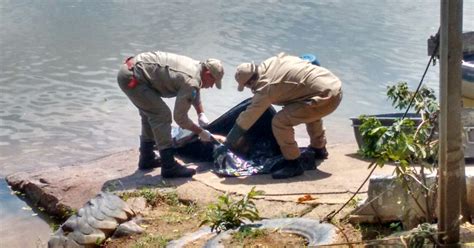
(388, 200)
(333, 182)
(202, 194)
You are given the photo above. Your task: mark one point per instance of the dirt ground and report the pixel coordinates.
(267, 239)
(165, 218)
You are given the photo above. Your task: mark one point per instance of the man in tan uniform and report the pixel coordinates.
(150, 76)
(307, 93)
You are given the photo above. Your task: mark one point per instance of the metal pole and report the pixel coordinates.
(451, 151)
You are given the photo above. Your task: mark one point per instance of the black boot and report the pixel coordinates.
(170, 167)
(320, 153)
(290, 168)
(148, 159)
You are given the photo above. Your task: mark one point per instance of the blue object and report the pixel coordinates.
(311, 58)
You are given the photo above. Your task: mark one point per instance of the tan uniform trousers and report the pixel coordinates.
(155, 114)
(294, 114)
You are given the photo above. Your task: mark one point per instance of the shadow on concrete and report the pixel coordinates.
(368, 160)
(142, 179)
(359, 157)
(203, 167)
(261, 179)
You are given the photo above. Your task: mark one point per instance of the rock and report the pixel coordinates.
(94, 222)
(60, 240)
(127, 228)
(138, 204)
(95, 238)
(38, 193)
(61, 190)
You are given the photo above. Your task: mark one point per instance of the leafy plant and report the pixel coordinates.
(406, 142)
(424, 101)
(422, 235)
(389, 143)
(229, 214)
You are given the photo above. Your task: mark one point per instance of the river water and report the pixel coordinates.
(60, 104)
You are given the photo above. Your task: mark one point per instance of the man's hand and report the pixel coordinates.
(202, 120)
(205, 136)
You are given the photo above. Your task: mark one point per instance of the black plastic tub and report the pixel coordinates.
(386, 120)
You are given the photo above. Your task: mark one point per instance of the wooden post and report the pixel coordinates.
(451, 153)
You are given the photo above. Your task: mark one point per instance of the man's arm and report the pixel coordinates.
(197, 104)
(246, 119)
(184, 100)
(260, 103)
(198, 107)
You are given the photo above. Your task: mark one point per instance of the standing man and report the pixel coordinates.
(307, 93)
(150, 76)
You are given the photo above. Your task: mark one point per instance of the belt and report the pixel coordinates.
(130, 62)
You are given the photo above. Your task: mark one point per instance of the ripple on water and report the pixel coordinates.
(60, 104)
(7, 131)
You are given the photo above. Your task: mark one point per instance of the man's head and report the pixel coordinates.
(245, 75)
(213, 73)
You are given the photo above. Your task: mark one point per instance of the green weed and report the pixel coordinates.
(247, 232)
(229, 214)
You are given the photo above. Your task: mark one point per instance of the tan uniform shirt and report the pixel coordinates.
(171, 75)
(285, 79)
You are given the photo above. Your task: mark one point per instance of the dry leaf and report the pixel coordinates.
(305, 198)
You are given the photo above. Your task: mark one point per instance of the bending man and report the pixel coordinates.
(307, 93)
(150, 76)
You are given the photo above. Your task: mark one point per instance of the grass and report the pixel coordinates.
(153, 197)
(149, 241)
(246, 232)
(175, 218)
